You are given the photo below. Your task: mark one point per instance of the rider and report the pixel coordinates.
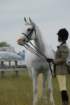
(60, 62)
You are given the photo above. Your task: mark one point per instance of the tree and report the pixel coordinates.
(4, 44)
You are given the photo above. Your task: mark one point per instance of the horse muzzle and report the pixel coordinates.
(21, 41)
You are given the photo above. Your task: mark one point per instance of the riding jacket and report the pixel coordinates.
(60, 59)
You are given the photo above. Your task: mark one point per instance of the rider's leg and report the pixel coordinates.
(62, 86)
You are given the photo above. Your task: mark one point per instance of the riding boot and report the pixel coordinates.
(65, 97)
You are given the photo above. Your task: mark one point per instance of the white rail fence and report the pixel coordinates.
(11, 67)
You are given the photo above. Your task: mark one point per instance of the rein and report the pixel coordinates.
(32, 47)
(38, 53)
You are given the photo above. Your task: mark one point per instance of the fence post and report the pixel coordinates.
(16, 64)
(2, 65)
(9, 63)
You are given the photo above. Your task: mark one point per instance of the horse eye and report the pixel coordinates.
(29, 29)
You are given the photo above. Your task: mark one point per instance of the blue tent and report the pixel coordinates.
(7, 56)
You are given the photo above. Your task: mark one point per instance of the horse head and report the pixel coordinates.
(29, 32)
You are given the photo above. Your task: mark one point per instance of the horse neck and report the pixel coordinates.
(39, 42)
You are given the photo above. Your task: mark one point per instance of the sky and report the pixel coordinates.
(49, 15)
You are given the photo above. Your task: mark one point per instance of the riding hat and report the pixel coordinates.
(63, 34)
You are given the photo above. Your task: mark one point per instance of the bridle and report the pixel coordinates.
(29, 35)
(31, 47)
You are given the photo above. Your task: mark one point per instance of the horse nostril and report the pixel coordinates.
(24, 40)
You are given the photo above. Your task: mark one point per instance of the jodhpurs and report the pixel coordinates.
(61, 82)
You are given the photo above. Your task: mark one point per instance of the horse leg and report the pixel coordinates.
(35, 88)
(35, 91)
(40, 81)
(50, 88)
(44, 88)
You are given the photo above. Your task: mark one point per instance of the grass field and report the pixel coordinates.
(18, 90)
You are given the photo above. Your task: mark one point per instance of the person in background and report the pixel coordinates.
(60, 64)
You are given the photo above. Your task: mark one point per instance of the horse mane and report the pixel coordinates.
(39, 41)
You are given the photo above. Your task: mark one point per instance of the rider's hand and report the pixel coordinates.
(49, 60)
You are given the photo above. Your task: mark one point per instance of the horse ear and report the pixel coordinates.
(30, 20)
(25, 19)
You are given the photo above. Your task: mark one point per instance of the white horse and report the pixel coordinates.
(36, 63)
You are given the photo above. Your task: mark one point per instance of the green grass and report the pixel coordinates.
(18, 90)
